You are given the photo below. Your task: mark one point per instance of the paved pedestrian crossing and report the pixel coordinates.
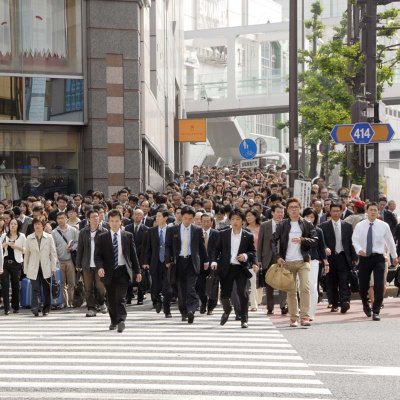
(68, 356)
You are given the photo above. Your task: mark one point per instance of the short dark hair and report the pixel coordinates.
(114, 213)
(372, 204)
(99, 195)
(78, 195)
(275, 197)
(256, 214)
(62, 214)
(275, 206)
(188, 210)
(90, 212)
(164, 213)
(38, 209)
(293, 200)
(311, 211)
(63, 197)
(335, 205)
(238, 212)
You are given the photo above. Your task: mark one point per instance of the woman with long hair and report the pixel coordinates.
(14, 248)
(253, 223)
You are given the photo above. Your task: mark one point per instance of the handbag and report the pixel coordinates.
(280, 278)
(391, 273)
(397, 278)
(145, 284)
(73, 252)
(212, 285)
(79, 293)
(354, 283)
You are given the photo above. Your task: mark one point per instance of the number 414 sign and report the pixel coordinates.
(362, 133)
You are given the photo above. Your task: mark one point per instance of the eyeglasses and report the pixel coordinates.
(293, 207)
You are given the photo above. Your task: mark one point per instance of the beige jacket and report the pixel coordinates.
(46, 256)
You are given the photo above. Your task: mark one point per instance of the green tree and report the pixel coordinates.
(333, 80)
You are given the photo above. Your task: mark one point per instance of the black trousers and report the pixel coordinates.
(116, 295)
(11, 274)
(201, 290)
(186, 278)
(161, 291)
(235, 274)
(337, 279)
(39, 284)
(373, 264)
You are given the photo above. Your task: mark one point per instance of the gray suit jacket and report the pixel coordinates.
(264, 247)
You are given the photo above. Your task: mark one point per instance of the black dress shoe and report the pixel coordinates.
(367, 311)
(158, 308)
(7, 312)
(376, 317)
(210, 312)
(224, 318)
(168, 315)
(238, 318)
(284, 310)
(190, 317)
(334, 309)
(345, 307)
(203, 309)
(139, 303)
(121, 326)
(45, 313)
(245, 325)
(184, 318)
(112, 327)
(36, 313)
(270, 312)
(15, 311)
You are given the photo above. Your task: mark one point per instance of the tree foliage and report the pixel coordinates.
(333, 78)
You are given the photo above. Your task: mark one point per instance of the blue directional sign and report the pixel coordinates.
(248, 148)
(362, 133)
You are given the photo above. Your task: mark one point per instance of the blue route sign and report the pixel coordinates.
(248, 148)
(362, 133)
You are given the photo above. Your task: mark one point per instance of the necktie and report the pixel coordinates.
(338, 246)
(185, 242)
(369, 239)
(115, 250)
(135, 230)
(162, 246)
(206, 239)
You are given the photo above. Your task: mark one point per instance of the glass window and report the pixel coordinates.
(41, 36)
(49, 99)
(11, 98)
(38, 163)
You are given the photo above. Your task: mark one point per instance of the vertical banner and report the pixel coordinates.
(302, 190)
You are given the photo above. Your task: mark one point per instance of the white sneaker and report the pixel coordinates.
(103, 309)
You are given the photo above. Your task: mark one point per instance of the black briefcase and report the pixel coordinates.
(354, 284)
(145, 284)
(212, 285)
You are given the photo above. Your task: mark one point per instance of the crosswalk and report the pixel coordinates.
(68, 356)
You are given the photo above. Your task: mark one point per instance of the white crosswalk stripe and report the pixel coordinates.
(68, 356)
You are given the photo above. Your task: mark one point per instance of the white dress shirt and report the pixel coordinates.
(189, 231)
(381, 237)
(337, 229)
(121, 258)
(235, 243)
(92, 246)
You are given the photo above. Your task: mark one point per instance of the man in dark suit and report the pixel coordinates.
(62, 202)
(210, 238)
(154, 258)
(386, 215)
(147, 220)
(184, 246)
(341, 256)
(344, 201)
(235, 253)
(116, 262)
(139, 232)
(264, 254)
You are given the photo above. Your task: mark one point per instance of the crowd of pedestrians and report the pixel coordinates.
(224, 225)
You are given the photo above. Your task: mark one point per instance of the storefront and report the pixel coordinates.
(42, 101)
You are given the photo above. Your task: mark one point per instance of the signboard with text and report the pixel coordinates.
(302, 190)
(192, 130)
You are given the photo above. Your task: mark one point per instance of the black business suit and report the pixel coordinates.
(346, 214)
(230, 273)
(161, 291)
(206, 303)
(148, 221)
(187, 269)
(140, 243)
(338, 277)
(116, 280)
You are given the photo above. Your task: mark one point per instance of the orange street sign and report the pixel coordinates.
(192, 130)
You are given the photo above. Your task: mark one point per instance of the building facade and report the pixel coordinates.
(89, 94)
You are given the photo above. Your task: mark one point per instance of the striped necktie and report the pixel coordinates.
(115, 250)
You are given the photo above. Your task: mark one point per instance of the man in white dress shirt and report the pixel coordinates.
(370, 238)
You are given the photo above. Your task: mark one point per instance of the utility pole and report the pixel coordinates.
(293, 97)
(369, 41)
